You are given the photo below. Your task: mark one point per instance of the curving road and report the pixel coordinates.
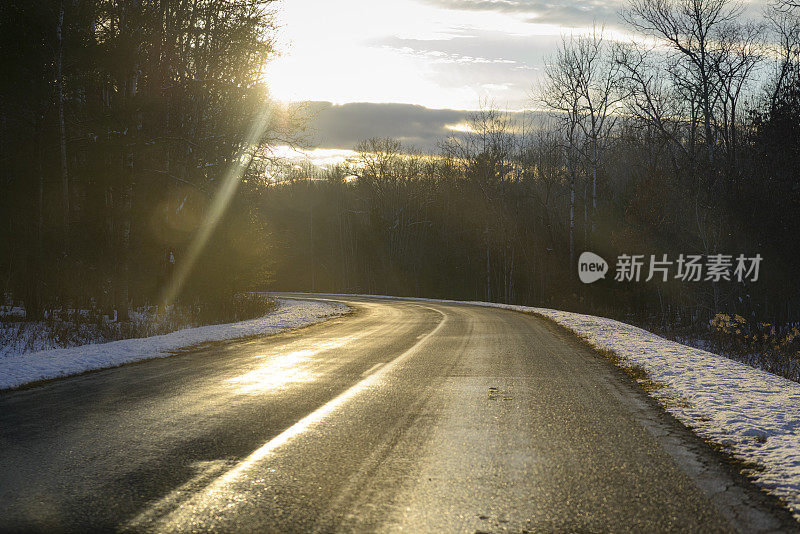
(404, 416)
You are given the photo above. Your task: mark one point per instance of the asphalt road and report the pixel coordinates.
(404, 416)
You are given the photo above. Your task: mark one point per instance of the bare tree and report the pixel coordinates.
(784, 18)
(653, 101)
(737, 57)
(583, 88)
(692, 29)
(561, 93)
(484, 154)
(600, 90)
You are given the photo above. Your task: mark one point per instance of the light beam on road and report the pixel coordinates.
(210, 506)
(280, 369)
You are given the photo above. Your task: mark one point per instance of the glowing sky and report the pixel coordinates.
(408, 68)
(436, 53)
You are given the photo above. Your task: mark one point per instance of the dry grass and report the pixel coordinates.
(80, 327)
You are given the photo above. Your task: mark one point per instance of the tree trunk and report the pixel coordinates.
(124, 209)
(312, 266)
(595, 163)
(34, 306)
(342, 253)
(488, 267)
(125, 196)
(585, 213)
(62, 132)
(572, 218)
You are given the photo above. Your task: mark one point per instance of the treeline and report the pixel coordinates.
(121, 119)
(691, 147)
(118, 119)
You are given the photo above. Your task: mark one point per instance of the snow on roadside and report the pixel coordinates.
(22, 369)
(753, 413)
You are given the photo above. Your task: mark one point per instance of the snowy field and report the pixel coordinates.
(754, 414)
(17, 370)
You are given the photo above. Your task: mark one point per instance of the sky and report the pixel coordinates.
(410, 68)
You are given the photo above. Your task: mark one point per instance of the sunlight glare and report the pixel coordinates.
(280, 370)
(353, 51)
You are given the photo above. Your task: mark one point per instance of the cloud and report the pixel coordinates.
(479, 61)
(575, 13)
(344, 126)
(439, 56)
(566, 13)
(477, 47)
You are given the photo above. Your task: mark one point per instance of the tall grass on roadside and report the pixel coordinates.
(770, 347)
(69, 328)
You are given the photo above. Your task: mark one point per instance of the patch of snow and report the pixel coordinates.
(22, 369)
(753, 413)
(12, 311)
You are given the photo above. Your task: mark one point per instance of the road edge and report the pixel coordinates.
(256, 330)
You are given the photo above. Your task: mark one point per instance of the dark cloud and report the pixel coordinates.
(564, 13)
(343, 126)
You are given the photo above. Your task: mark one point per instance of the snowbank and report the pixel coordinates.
(25, 368)
(753, 413)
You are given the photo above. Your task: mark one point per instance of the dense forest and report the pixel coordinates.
(691, 147)
(121, 119)
(118, 120)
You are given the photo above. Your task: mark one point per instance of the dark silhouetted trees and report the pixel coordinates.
(118, 118)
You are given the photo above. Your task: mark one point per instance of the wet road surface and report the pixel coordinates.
(404, 416)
